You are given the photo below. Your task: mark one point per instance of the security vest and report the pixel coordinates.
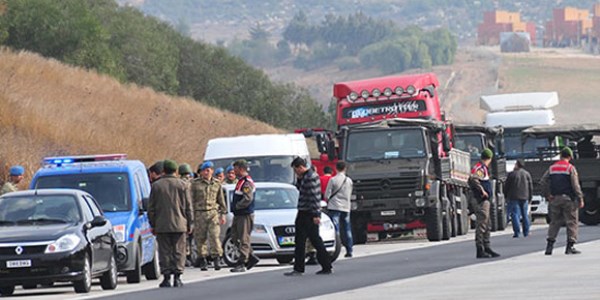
(243, 188)
(560, 178)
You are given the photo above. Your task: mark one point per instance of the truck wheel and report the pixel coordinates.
(135, 275)
(284, 260)
(446, 223)
(152, 270)
(359, 229)
(433, 217)
(463, 217)
(501, 208)
(454, 216)
(7, 290)
(493, 215)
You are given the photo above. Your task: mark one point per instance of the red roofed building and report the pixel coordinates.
(568, 26)
(495, 22)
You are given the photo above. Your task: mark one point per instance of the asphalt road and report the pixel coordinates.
(381, 270)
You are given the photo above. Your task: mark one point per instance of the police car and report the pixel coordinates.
(121, 188)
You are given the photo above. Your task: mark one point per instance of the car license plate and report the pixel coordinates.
(286, 241)
(388, 213)
(18, 263)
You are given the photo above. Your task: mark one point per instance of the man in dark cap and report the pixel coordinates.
(171, 218)
(519, 191)
(481, 186)
(242, 206)
(15, 176)
(155, 171)
(560, 185)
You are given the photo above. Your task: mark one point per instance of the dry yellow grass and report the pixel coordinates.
(48, 108)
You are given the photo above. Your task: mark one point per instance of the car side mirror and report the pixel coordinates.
(98, 221)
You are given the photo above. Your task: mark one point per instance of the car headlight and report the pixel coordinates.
(119, 232)
(259, 228)
(66, 242)
(327, 224)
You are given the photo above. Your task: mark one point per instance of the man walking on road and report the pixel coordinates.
(209, 215)
(170, 215)
(338, 193)
(481, 186)
(519, 191)
(560, 185)
(308, 219)
(15, 174)
(242, 206)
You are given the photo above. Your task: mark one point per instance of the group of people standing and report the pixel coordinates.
(560, 186)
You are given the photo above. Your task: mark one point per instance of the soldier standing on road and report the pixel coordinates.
(186, 174)
(230, 177)
(209, 215)
(560, 185)
(170, 215)
(242, 206)
(519, 191)
(15, 176)
(481, 186)
(220, 174)
(308, 219)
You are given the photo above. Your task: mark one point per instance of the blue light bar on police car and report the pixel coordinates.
(60, 160)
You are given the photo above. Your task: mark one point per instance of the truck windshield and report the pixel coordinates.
(109, 189)
(471, 143)
(385, 144)
(265, 168)
(515, 148)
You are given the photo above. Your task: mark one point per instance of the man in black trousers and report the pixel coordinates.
(308, 219)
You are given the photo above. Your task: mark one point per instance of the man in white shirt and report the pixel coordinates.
(338, 193)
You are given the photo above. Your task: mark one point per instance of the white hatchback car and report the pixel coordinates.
(273, 233)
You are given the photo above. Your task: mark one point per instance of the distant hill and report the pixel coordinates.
(48, 108)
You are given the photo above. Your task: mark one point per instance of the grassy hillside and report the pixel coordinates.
(47, 108)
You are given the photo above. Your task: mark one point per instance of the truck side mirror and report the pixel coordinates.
(331, 150)
(446, 142)
(321, 146)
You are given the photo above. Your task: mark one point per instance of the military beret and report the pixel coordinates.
(487, 153)
(206, 165)
(229, 169)
(170, 166)
(218, 171)
(184, 169)
(566, 152)
(16, 171)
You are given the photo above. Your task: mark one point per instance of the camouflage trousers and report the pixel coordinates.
(206, 231)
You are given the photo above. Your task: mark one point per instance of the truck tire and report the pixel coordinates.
(493, 212)
(463, 216)
(446, 219)
(588, 217)
(501, 208)
(359, 229)
(454, 216)
(433, 221)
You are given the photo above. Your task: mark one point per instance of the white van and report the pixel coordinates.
(269, 155)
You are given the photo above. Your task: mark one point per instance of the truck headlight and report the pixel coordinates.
(119, 232)
(420, 202)
(65, 243)
(259, 228)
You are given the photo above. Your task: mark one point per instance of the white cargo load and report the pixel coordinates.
(293, 144)
(520, 119)
(519, 101)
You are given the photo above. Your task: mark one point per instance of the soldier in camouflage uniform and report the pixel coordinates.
(230, 177)
(220, 174)
(15, 177)
(210, 210)
(186, 174)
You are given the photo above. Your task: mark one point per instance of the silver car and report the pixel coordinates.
(273, 233)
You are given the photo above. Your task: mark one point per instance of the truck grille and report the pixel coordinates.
(388, 187)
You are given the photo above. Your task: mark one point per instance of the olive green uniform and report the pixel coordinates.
(228, 181)
(8, 187)
(209, 204)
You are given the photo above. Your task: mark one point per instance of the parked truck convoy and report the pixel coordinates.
(398, 147)
(517, 112)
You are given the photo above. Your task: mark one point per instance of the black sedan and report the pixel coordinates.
(54, 235)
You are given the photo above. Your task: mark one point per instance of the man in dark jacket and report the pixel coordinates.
(171, 218)
(519, 190)
(308, 219)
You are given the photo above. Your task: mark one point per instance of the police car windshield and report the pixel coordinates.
(265, 168)
(109, 189)
(274, 198)
(385, 144)
(38, 210)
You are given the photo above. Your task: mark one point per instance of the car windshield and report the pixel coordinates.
(472, 144)
(39, 210)
(274, 198)
(385, 144)
(515, 148)
(109, 189)
(265, 168)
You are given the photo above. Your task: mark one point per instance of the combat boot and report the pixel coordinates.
(177, 281)
(482, 254)
(571, 249)
(217, 263)
(201, 263)
(239, 268)
(491, 252)
(549, 247)
(252, 261)
(166, 281)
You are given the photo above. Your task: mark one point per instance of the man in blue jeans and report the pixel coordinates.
(338, 193)
(519, 190)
